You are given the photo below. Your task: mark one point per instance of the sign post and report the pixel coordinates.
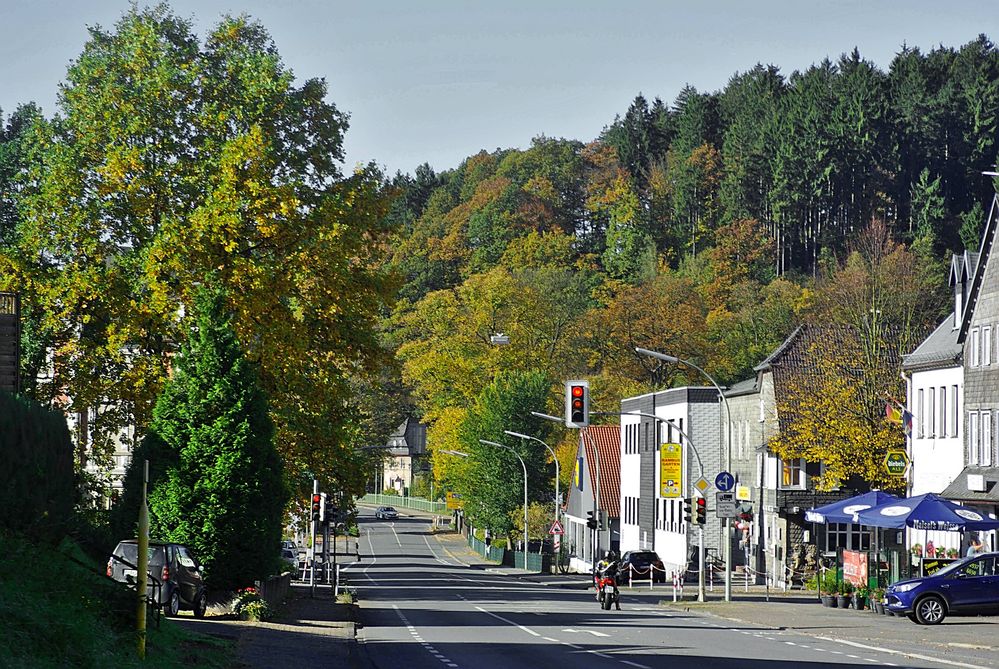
(896, 463)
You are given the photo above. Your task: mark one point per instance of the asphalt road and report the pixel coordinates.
(423, 607)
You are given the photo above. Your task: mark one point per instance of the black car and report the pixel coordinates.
(967, 587)
(636, 565)
(173, 565)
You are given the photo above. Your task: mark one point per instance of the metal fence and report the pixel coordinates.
(416, 503)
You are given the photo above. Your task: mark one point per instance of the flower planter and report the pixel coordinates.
(828, 600)
(879, 607)
(859, 603)
(843, 601)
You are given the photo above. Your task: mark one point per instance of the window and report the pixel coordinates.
(985, 446)
(793, 473)
(954, 423)
(976, 348)
(847, 535)
(972, 437)
(943, 411)
(920, 416)
(932, 413)
(987, 345)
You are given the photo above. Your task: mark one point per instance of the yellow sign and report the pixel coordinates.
(454, 501)
(670, 470)
(743, 494)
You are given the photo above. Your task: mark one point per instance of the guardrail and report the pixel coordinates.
(416, 503)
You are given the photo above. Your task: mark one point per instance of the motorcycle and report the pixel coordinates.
(607, 591)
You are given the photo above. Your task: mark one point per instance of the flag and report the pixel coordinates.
(893, 413)
(907, 422)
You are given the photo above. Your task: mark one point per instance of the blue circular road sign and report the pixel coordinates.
(724, 481)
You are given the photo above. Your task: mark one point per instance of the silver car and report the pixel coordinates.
(386, 513)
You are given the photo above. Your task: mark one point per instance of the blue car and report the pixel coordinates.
(966, 587)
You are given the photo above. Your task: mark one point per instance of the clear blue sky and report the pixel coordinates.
(437, 80)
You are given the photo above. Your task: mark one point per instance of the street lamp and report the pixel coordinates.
(728, 453)
(496, 443)
(700, 466)
(558, 499)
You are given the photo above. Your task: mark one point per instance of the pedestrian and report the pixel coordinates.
(975, 548)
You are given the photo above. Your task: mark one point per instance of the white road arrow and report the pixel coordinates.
(594, 633)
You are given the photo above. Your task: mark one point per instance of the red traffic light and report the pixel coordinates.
(577, 391)
(316, 499)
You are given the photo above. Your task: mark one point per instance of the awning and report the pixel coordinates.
(843, 510)
(925, 512)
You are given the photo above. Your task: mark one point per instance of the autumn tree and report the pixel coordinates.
(171, 158)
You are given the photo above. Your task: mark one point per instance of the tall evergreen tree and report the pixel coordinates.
(223, 491)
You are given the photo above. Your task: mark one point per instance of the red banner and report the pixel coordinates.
(855, 567)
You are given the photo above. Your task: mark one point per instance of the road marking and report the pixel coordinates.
(416, 636)
(634, 664)
(392, 527)
(508, 622)
(927, 658)
(593, 632)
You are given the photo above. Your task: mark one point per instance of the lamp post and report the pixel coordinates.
(700, 465)
(728, 452)
(519, 435)
(596, 489)
(496, 443)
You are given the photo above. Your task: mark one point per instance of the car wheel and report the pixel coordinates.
(201, 605)
(173, 605)
(930, 610)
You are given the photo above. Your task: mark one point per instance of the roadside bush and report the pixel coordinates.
(37, 485)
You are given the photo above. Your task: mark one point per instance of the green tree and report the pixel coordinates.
(223, 491)
(493, 481)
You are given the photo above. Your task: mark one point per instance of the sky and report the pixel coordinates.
(438, 80)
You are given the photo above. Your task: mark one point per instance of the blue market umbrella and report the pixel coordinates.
(925, 512)
(843, 510)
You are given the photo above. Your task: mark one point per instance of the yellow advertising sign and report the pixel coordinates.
(454, 501)
(670, 470)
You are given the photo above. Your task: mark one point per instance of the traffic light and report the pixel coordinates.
(591, 522)
(317, 501)
(322, 507)
(701, 511)
(331, 511)
(577, 403)
(687, 511)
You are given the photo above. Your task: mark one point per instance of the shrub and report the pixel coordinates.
(250, 605)
(37, 486)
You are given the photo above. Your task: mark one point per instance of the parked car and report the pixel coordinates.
(386, 513)
(173, 565)
(636, 565)
(290, 556)
(290, 545)
(966, 587)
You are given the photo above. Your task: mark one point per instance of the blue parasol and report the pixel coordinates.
(925, 512)
(843, 510)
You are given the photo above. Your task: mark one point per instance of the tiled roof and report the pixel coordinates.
(608, 442)
(742, 388)
(978, 262)
(958, 491)
(940, 349)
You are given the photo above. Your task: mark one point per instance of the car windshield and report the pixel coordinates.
(130, 553)
(642, 557)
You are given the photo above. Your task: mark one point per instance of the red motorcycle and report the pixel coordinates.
(608, 593)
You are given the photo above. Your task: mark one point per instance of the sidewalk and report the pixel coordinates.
(305, 630)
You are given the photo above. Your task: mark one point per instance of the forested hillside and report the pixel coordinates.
(707, 228)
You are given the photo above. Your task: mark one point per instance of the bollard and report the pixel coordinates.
(674, 586)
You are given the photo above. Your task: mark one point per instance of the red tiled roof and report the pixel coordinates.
(608, 441)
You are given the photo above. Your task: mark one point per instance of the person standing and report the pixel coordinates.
(975, 548)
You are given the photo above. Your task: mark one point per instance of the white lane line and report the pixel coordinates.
(634, 664)
(927, 658)
(548, 638)
(416, 635)
(434, 553)
(508, 622)
(392, 527)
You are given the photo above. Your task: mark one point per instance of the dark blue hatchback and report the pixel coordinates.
(966, 587)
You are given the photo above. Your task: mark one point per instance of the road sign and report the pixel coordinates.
(670, 470)
(725, 506)
(556, 528)
(701, 485)
(896, 462)
(454, 501)
(743, 493)
(724, 481)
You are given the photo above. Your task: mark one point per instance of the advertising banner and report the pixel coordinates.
(670, 470)
(855, 567)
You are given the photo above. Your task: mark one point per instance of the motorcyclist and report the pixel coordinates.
(608, 568)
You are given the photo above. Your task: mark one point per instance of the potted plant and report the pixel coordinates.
(827, 586)
(845, 594)
(860, 596)
(952, 553)
(877, 599)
